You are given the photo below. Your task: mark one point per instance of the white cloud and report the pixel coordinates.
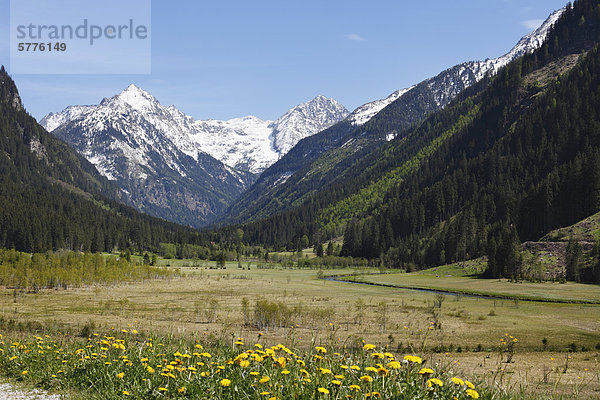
(532, 24)
(355, 37)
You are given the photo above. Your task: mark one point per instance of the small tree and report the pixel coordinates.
(320, 250)
(359, 306)
(382, 314)
(330, 250)
(220, 260)
(573, 258)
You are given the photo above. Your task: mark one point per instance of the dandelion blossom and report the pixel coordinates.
(426, 371)
(434, 381)
(264, 379)
(472, 394)
(323, 390)
(413, 359)
(394, 365)
(458, 381)
(366, 378)
(225, 382)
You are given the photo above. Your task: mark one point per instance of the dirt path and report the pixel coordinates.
(9, 392)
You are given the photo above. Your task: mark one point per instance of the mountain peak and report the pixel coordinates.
(136, 98)
(304, 120)
(534, 39)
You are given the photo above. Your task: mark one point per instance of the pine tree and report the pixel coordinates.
(573, 258)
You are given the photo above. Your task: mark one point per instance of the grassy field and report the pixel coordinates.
(459, 330)
(462, 278)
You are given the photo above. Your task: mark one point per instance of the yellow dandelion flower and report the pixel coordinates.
(163, 389)
(181, 389)
(366, 378)
(472, 393)
(382, 372)
(434, 381)
(285, 372)
(369, 346)
(336, 382)
(469, 385)
(458, 381)
(354, 388)
(320, 349)
(125, 393)
(225, 382)
(264, 379)
(120, 375)
(325, 371)
(323, 390)
(24, 373)
(394, 365)
(254, 373)
(426, 371)
(413, 359)
(355, 368)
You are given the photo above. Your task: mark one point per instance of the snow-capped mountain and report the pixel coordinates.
(124, 137)
(445, 86)
(172, 166)
(247, 143)
(305, 120)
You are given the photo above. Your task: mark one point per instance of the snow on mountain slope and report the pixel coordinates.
(367, 111)
(247, 143)
(52, 121)
(305, 120)
(449, 83)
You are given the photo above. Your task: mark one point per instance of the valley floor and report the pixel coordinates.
(462, 332)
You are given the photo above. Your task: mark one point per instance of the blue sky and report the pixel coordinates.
(233, 58)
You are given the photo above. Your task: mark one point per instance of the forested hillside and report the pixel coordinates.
(516, 152)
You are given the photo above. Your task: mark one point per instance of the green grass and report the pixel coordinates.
(181, 308)
(128, 365)
(461, 278)
(587, 230)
